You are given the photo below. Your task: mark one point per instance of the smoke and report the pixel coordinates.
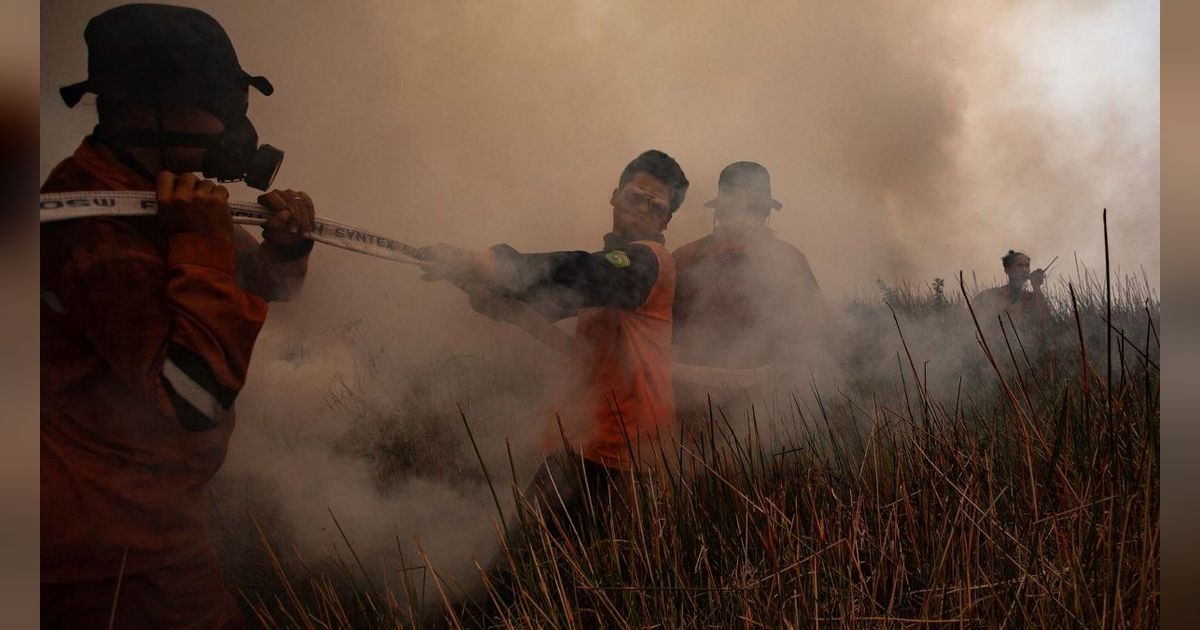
(903, 143)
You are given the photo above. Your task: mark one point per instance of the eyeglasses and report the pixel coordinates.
(643, 201)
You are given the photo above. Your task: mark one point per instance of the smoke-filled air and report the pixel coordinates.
(384, 422)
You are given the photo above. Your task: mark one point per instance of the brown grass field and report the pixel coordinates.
(1016, 486)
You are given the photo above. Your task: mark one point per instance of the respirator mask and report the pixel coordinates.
(231, 155)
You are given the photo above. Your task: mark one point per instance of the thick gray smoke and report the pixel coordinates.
(904, 143)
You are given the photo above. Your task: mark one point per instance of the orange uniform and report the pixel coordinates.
(626, 366)
(145, 342)
(622, 396)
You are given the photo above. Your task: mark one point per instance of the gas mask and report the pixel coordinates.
(231, 155)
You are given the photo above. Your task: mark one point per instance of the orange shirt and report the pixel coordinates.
(626, 370)
(145, 342)
(617, 404)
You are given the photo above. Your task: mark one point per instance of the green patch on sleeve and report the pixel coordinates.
(617, 258)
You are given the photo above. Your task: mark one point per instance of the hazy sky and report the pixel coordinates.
(905, 140)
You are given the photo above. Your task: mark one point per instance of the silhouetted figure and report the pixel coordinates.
(617, 405)
(148, 323)
(1012, 298)
(744, 298)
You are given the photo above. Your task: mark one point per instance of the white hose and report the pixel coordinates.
(64, 206)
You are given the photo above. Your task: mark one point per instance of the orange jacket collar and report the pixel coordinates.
(102, 165)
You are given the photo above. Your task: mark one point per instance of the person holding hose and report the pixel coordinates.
(618, 411)
(148, 323)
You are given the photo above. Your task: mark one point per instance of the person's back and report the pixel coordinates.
(742, 295)
(744, 298)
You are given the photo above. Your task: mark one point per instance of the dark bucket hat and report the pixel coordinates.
(745, 181)
(159, 53)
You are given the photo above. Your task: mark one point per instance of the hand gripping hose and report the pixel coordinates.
(63, 206)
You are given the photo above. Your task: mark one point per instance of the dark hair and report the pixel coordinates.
(1010, 258)
(663, 168)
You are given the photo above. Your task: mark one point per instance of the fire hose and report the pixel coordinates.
(64, 206)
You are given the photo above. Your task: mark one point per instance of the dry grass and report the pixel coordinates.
(1027, 498)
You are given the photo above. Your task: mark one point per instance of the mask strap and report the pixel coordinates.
(120, 139)
(137, 137)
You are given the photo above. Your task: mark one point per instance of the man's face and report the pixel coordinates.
(641, 208)
(1019, 271)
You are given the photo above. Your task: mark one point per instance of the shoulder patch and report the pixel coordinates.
(617, 258)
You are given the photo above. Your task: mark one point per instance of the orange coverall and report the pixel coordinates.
(145, 342)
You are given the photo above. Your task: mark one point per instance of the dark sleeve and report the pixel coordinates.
(558, 284)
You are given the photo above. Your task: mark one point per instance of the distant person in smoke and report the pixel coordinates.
(148, 323)
(1012, 298)
(744, 299)
(618, 409)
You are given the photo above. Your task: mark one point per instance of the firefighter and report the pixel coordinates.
(744, 298)
(621, 391)
(1012, 298)
(148, 323)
